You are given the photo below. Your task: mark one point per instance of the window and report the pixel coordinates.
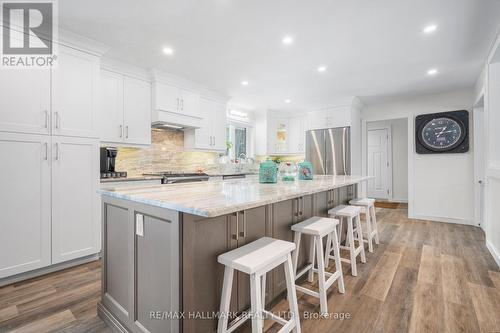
(238, 138)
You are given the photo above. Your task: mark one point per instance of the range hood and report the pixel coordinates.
(172, 120)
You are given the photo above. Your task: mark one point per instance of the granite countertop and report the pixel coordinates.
(215, 198)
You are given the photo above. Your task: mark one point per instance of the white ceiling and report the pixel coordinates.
(371, 48)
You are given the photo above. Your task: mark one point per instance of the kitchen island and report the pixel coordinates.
(161, 242)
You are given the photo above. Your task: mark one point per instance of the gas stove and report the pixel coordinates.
(170, 177)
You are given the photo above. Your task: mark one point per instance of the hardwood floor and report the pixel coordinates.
(423, 277)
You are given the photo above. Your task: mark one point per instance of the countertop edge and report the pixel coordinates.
(225, 211)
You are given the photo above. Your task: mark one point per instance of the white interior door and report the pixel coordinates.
(479, 166)
(75, 201)
(378, 163)
(24, 203)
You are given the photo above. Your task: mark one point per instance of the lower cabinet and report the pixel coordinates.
(49, 201)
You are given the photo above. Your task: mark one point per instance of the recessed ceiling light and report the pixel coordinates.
(432, 71)
(168, 50)
(321, 69)
(287, 40)
(244, 83)
(430, 29)
(287, 101)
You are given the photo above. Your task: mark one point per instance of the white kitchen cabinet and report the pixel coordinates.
(75, 94)
(297, 135)
(212, 133)
(25, 203)
(25, 101)
(330, 117)
(75, 201)
(124, 109)
(278, 135)
(137, 111)
(111, 107)
(170, 98)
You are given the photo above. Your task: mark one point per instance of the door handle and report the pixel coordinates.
(297, 212)
(126, 132)
(244, 232)
(57, 152)
(46, 151)
(182, 104)
(121, 131)
(301, 199)
(177, 104)
(46, 119)
(58, 121)
(236, 235)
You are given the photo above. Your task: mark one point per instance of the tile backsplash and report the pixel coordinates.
(166, 153)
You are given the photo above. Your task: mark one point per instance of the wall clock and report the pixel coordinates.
(445, 132)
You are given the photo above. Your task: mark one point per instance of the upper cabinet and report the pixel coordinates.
(211, 135)
(75, 94)
(62, 100)
(169, 98)
(125, 109)
(285, 135)
(330, 117)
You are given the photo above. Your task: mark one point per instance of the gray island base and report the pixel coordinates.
(161, 242)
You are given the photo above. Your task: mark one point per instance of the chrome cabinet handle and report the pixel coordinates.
(58, 121)
(46, 119)
(57, 152)
(121, 131)
(126, 132)
(244, 232)
(46, 151)
(182, 105)
(236, 236)
(297, 212)
(177, 104)
(301, 206)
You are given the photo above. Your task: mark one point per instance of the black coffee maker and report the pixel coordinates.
(108, 159)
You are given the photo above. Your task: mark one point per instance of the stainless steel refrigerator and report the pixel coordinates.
(329, 150)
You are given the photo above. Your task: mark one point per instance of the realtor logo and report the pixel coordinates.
(28, 33)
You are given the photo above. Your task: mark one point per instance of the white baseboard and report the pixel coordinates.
(442, 219)
(396, 200)
(494, 252)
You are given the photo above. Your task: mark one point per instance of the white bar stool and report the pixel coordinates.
(317, 228)
(371, 220)
(256, 259)
(350, 213)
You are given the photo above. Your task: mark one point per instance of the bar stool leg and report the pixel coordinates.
(341, 226)
(369, 229)
(360, 238)
(328, 250)
(338, 263)
(227, 286)
(312, 251)
(255, 296)
(352, 247)
(321, 276)
(292, 295)
(374, 222)
(296, 240)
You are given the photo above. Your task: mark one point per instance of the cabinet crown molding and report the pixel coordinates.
(78, 42)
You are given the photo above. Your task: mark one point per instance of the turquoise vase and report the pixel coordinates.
(268, 172)
(305, 170)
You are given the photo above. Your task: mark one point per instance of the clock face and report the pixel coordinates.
(441, 133)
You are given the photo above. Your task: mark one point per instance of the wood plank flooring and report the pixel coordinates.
(423, 277)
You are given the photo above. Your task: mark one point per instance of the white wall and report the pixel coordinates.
(399, 148)
(440, 187)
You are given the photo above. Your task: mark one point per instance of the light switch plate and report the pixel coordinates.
(139, 225)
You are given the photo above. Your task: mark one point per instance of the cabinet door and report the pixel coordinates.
(137, 111)
(24, 203)
(295, 128)
(219, 126)
(25, 101)
(111, 107)
(166, 97)
(190, 103)
(204, 239)
(283, 218)
(252, 226)
(321, 204)
(203, 135)
(75, 94)
(75, 202)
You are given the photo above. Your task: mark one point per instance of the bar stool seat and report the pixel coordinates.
(371, 220)
(256, 259)
(351, 214)
(317, 228)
